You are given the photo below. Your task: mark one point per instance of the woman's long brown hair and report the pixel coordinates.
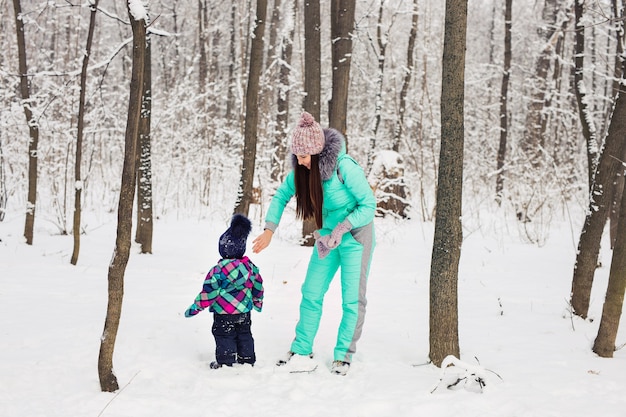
(309, 196)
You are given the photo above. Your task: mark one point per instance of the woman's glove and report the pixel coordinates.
(326, 243)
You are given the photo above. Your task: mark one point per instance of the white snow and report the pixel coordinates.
(513, 322)
(137, 9)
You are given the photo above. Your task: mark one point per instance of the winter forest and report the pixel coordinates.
(543, 119)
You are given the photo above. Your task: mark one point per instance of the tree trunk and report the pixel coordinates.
(202, 41)
(444, 333)
(591, 235)
(406, 82)
(618, 13)
(504, 112)
(252, 112)
(33, 126)
(117, 267)
(382, 42)
(232, 59)
(145, 223)
(312, 84)
(532, 140)
(78, 184)
(3, 186)
(585, 113)
(341, 27)
(282, 102)
(604, 344)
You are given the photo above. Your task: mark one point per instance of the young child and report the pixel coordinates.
(231, 290)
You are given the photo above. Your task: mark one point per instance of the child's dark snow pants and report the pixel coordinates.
(233, 339)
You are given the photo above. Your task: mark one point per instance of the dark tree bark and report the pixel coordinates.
(232, 80)
(382, 42)
(604, 344)
(600, 198)
(312, 58)
(584, 112)
(618, 13)
(312, 83)
(3, 187)
(444, 333)
(78, 184)
(145, 223)
(406, 82)
(252, 111)
(117, 267)
(504, 113)
(532, 140)
(282, 101)
(33, 126)
(341, 28)
(202, 44)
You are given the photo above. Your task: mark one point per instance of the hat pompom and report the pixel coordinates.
(240, 226)
(306, 120)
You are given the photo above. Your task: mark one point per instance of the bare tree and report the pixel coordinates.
(618, 13)
(406, 81)
(117, 267)
(33, 125)
(78, 179)
(312, 58)
(282, 100)
(312, 84)
(145, 223)
(584, 111)
(599, 203)
(504, 112)
(252, 111)
(232, 56)
(341, 28)
(532, 141)
(444, 322)
(604, 344)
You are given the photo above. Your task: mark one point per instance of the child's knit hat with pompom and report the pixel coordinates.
(307, 137)
(232, 244)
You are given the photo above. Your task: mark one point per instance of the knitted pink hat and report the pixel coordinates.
(307, 137)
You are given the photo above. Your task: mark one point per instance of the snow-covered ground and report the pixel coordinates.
(513, 322)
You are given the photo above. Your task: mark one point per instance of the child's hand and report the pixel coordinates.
(191, 311)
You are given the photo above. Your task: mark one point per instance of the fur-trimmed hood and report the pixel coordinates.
(334, 146)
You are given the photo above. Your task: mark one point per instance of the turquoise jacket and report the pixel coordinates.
(347, 194)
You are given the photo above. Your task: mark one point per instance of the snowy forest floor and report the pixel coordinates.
(513, 321)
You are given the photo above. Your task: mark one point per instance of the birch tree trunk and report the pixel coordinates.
(117, 267)
(444, 321)
(78, 180)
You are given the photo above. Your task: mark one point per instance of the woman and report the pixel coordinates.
(331, 188)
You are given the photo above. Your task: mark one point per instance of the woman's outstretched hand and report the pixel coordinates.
(262, 241)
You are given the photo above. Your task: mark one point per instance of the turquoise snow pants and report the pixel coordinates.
(353, 257)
